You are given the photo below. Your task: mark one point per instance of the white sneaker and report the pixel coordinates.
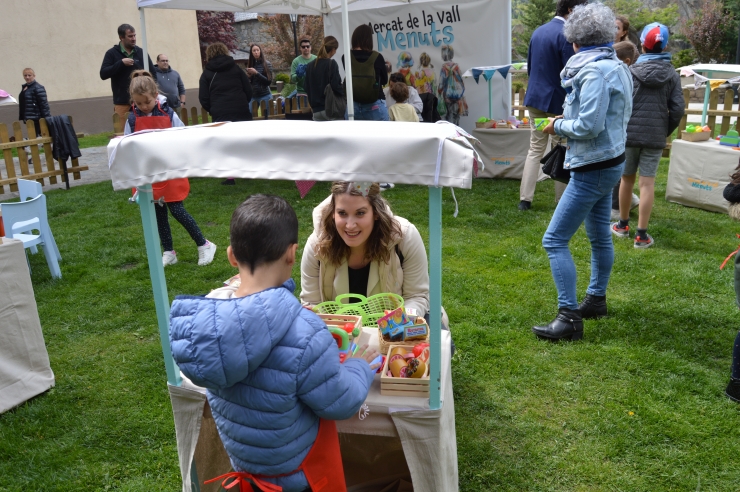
(386, 186)
(615, 215)
(635, 202)
(169, 258)
(206, 253)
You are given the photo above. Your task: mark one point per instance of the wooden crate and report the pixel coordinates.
(390, 386)
(696, 137)
(384, 345)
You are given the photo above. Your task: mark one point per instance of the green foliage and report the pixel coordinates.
(287, 89)
(683, 58)
(712, 32)
(282, 77)
(640, 15)
(530, 16)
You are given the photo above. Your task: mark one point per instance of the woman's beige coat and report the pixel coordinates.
(321, 281)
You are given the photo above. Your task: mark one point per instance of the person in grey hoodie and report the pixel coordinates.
(657, 109)
(169, 82)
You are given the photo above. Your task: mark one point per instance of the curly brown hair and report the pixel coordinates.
(332, 248)
(216, 49)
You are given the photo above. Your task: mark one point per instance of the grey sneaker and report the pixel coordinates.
(169, 258)
(619, 232)
(206, 253)
(615, 215)
(635, 202)
(644, 243)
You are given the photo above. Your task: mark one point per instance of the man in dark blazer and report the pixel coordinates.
(118, 64)
(549, 51)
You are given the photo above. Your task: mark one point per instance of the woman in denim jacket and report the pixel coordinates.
(595, 116)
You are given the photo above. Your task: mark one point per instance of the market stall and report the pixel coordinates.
(698, 173)
(405, 153)
(24, 362)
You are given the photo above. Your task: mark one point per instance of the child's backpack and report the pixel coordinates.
(454, 86)
(364, 83)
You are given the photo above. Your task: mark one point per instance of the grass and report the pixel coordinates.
(93, 140)
(637, 405)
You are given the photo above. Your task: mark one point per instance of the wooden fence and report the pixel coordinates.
(725, 114)
(33, 170)
(263, 110)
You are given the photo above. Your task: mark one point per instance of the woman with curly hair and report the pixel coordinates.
(359, 247)
(597, 109)
(224, 89)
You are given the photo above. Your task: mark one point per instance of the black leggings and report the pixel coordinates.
(177, 209)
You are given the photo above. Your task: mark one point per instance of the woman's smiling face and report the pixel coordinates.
(354, 218)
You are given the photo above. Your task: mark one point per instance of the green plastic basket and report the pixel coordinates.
(370, 308)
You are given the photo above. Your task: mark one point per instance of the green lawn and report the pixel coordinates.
(638, 405)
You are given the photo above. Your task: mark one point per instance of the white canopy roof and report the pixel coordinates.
(395, 152)
(304, 7)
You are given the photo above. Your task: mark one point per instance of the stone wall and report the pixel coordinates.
(253, 31)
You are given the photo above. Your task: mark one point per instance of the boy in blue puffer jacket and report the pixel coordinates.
(270, 366)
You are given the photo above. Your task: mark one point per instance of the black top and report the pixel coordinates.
(381, 73)
(732, 193)
(596, 166)
(119, 74)
(32, 102)
(358, 279)
(318, 75)
(260, 82)
(224, 90)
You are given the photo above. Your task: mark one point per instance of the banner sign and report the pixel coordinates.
(433, 43)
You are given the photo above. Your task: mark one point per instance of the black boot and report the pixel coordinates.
(593, 307)
(733, 390)
(568, 325)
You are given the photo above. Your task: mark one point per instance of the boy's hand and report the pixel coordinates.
(368, 354)
(550, 128)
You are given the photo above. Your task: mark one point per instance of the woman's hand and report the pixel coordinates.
(368, 354)
(251, 71)
(550, 128)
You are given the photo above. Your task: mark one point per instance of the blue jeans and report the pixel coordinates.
(376, 111)
(586, 198)
(259, 99)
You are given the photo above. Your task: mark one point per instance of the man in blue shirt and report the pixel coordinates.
(549, 51)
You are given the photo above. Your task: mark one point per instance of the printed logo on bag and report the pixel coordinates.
(502, 161)
(702, 184)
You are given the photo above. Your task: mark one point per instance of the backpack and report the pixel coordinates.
(454, 86)
(364, 83)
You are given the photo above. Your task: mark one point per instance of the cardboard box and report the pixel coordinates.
(696, 137)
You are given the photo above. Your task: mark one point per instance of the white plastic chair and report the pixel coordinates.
(31, 189)
(16, 219)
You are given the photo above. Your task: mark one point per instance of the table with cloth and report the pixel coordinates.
(698, 173)
(24, 363)
(503, 151)
(399, 436)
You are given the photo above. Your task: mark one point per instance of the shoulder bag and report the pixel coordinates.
(334, 106)
(552, 164)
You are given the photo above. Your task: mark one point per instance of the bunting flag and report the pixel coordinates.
(487, 72)
(304, 187)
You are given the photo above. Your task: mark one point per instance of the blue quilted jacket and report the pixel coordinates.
(271, 369)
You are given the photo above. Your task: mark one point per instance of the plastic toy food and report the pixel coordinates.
(415, 369)
(397, 362)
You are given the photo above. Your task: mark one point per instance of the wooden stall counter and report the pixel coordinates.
(699, 172)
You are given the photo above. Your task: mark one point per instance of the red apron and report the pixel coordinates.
(174, 190)
(322, 466)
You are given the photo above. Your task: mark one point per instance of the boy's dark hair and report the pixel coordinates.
(262, 228)
(655, 49)
(123, 28)
(362, 38)
(397, 77)
(399, 92)
(564, 6)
